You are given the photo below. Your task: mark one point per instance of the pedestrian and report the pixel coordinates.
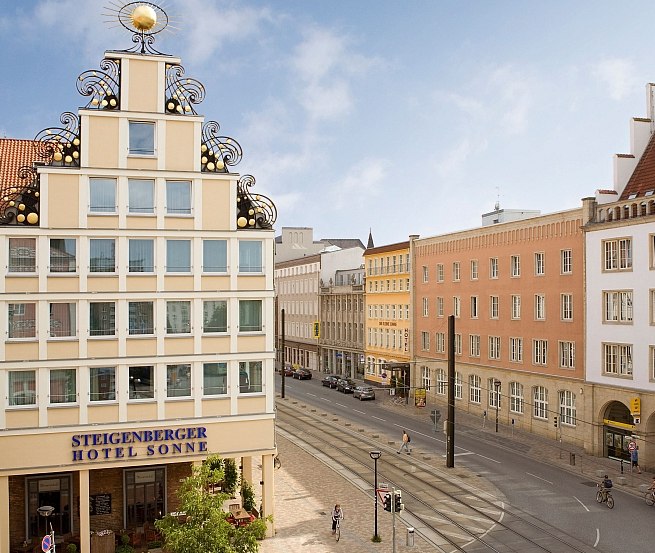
(634, 457)
(405, 444)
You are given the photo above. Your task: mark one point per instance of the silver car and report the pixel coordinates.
(364, 392)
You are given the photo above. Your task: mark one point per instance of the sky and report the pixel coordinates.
(410, 117)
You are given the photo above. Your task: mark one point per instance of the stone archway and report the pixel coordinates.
(618, 428)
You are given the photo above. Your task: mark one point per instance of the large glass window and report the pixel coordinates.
(250, 377)
(63, 320)
(617, 359)
(178, 256)
(102, 318)
(618, 254)
(178, 380)
(142, 138)
(214, 318)
(178, 317)
(102, 255)
(63, 255)
(145, 496)
(141, 195)
(63, 387)
(22, 320)
(22, 388)
(540, 402)
(178, 198)
(250, 256)
(102, 383)
(618, 306)
(516, 397)
(442, 382)
(475, 384)
(214, 379)
(141, 382)
(141, 317)
(567, 409)
(102, 195)
(142, 255)
(22, 255)
(214, 256)
(250, 315)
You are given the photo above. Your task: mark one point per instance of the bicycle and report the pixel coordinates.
(604, 495)
(337, 530)
(650, 498)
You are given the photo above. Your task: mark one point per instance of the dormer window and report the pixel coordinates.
(142, 138)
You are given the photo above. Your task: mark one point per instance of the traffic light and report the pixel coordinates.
(398, 501)
(317, 330)
(387, 502)
(555, 421)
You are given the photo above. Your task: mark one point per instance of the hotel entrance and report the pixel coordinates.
(50, 491)
(145, 492)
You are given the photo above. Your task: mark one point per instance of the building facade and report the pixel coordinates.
(138, 301)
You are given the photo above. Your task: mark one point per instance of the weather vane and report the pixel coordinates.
(143, 19)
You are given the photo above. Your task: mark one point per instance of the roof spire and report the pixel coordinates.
(369, 244)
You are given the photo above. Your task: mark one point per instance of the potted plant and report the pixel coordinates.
(71, 548)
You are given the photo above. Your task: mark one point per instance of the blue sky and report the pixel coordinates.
(405, 117)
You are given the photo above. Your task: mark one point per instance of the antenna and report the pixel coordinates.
(497, 206)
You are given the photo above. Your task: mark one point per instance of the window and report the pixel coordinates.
(474, 269)
(250, 256)
(250, 315)
(652, 307)
(63, 386)
(141, 382)
(21, 320)
(142, 138)
(458, 344)
(540, 263)
(442, 382)
(178, 380)
(440, 338)
(566, 262)
(63, 255)
(178, 197)
(141, 256)
(141, 195)
(178, 317)
(474, 307)
(567, 355)
(475, 385)
(652, 362)
(250, 377)
(515, 265)
(539, 307)
(493, 267)
(102, 195)
(425, 307)
(474, 345)
(617, 306)
(102, 318)
(493, 307)
(456, 272)
(214, 379)
(439, 307)
(214, 316)
(494, 347)
(493, 387)
(22, 388)
(457, 306)
(618, 254)
(516, 400)
(425, 341)
(141, 318)
(439, 272)
(102, 383)
(425, 273)
(567, 410)
(540, 402)
(567, 307)
(214, 256)
(458, 385)
(63, 320)
(617, 359)
(539, 352)
(516, 307)
(178, 256)
(22, 255)
(425, 377)
(102, 255)
(516, 350)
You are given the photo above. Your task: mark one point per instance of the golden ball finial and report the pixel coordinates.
(143, 18)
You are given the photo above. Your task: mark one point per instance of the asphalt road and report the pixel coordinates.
(561, 498)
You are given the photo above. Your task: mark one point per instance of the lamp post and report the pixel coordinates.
(497, 390)
(45, 511)
(375, 455)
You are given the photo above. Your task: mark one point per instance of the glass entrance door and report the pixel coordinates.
(53, 492)
(616, 443)
(144, 496)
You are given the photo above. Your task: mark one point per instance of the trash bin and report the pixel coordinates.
(572, 459)
(410, 537)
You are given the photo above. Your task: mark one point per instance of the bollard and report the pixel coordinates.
(572, 459)
(621, 466)
(410, 537)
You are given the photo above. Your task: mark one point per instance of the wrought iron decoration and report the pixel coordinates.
(253, 211)
(181, 93)
(217, 152)
(143, 19)
(60, 146)
(20, 204)
(103, 86)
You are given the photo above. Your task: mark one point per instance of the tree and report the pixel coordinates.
(230, 477)
(206, 527)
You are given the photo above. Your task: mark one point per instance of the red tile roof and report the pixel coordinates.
(643, 177)
(14, 154)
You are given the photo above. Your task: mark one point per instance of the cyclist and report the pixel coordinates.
(605, 485)
(337, 515)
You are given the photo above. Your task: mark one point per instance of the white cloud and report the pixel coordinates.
(362, 182)
(619, 75)
(515, 93)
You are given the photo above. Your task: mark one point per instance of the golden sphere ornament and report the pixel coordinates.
(143, 18)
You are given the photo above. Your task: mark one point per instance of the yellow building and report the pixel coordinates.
(139, 307)
(387, 346)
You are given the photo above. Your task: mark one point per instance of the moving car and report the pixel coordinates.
(330, 380)
(363, 392)
(346, 385)
(302, 374)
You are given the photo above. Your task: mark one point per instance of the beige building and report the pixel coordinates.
(138, 301)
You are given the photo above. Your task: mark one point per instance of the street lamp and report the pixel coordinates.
(45, 511)
(375, 455)
(497, 390)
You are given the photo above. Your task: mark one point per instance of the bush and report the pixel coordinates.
(71, 548)
(231, 476)
(247, 496)
(125, 546)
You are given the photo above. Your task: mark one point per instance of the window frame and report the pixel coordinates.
(539, 264)
(566, 261)
(98, 203)
(62, 254)
(132, 149)
(22, 268)
(244, 256)
(141, 190)
(187, 210)
(244, 303)
(515, 266)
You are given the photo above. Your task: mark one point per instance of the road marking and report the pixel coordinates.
(597, 537)
(374, 417)
(340, 404)
(325, 399)
(460, 454)
(357, 411)
(581, 503)
(313, 395)
(539, 478)
(488, 458)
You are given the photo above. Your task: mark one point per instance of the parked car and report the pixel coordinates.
(330, 380)
(346, 385)
(364, 392)
(288, 371)
(302, 374)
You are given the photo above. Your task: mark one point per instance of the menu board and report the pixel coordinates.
(100, 504)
